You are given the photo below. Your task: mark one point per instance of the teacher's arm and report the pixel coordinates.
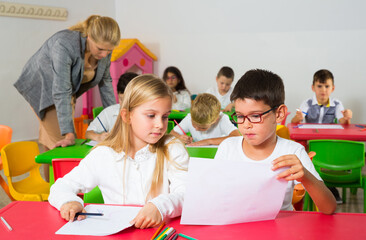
(63, 58)
(105, 85)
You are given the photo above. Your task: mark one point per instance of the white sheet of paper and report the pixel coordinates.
(92, 143)
(321, 126)
(228, 192)
(115, 219)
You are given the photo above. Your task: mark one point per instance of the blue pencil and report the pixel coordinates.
(302, 111)
(101, 124)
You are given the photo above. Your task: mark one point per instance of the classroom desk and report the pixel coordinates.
(74, 151)
(39, 220)
(350, 132)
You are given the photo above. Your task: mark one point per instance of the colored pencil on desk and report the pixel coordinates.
(168, 233)
(161, 234)
(179, 127)
(105, 130)
(186, 237)
(158, 230)
(6, 224)
(175, 236)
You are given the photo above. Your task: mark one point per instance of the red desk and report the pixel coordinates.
(350, 132)
(38, 220)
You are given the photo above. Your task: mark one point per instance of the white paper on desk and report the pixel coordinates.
(321, 126)
(92, 143)
(115, 219)
(227, 192)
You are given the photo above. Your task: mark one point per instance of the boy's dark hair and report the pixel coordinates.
(260, 85)
(322, 76)
(226, 72)
(174, 70)
(123, 80)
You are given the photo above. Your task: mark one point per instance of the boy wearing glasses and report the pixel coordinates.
(259, 105)
(207, 125)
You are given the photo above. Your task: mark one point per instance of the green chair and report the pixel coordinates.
(339, 163)
(202, 152)
(96, 111)
(170, 126)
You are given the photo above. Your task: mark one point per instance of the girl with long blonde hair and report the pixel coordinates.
(138, 163)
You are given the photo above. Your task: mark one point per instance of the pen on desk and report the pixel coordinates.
(186, 237)
(6, 224)
(359, 126)
(87, 214)
(297, 126)
(175, 236)
(301, 111)
(179, 127)
(167, 234)
(158, 230)
(84, 141)
(105, 130)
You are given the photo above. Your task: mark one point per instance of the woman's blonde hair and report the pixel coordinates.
(141, 89)
(205, 109)
(100, 29)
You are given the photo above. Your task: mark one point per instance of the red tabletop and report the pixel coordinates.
(39, 220)
(350, 132)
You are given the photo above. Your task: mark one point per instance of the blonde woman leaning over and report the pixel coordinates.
(68, 64)
(137, 139)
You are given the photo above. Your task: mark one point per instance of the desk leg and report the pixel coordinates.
(52, 178)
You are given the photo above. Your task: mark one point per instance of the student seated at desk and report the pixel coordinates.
(259, 106)
(136, 164)
(223, 89)
(207, 125)
(174, 78)
(322, 108)
(98, 132)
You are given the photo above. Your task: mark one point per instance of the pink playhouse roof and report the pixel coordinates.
(127, 44)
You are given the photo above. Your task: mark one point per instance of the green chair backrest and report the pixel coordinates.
(96, 111)
(170, 126)
(202, 152)
(338, 161)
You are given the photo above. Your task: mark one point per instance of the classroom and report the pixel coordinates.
(293, 39)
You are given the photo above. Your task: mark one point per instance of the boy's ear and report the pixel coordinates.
(281, 113)
(125, 116)
(312, 88)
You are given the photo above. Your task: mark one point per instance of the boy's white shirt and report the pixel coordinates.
(231, 149)
(183, 100)
(224, 99)
(108, 117)
(305, 107)
(220, 129)
(104, 167)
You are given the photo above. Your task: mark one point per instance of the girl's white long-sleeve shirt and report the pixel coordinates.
(126, 183)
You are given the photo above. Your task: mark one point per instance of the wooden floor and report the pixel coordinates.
(354, 203)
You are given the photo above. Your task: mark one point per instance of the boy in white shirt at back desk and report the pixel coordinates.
(207, 125)
(98, 132)
(223, 89)
(259, 98)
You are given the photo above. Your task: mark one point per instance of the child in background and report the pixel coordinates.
(98, 132)
(136, 164)
(259, 106)
(182, 98)
(321, 108)
(207, 125)
(223, 89)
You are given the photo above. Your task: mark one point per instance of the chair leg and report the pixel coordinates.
(344, 194)
(6, 188)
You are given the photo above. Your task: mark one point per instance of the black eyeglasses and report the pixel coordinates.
(253, 118)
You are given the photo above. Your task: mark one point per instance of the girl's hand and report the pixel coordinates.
(186, 139)
(148, 216)
(199, 143)
(296, 170)
(68, 211)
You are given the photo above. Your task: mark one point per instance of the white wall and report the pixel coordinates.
(292, 38)
(20, 39)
